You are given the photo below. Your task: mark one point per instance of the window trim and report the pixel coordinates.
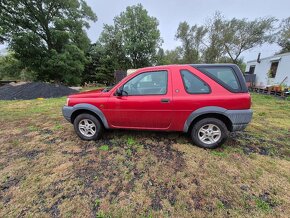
(197, 78)
(166, 71)
(220, 82)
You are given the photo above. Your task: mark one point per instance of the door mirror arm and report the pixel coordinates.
(119, 92)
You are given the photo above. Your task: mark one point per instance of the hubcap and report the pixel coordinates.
(209, 134)
(87, 127)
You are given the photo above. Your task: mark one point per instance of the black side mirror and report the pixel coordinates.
(119, 92)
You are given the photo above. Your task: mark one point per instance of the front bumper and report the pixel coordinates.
(67, 112)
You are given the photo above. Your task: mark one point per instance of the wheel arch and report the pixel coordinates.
(208, 112)
(90, 109)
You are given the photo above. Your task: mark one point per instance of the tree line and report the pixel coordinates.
(47, 41)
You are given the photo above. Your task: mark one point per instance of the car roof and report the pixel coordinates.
(213, 65)
(193, 65)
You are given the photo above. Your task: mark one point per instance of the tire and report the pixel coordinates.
(209, 133)
(88, 127)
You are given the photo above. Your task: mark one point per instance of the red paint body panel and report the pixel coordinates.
(148, 112)
(142, 112)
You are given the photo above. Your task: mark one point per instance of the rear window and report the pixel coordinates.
(225, 76)
(192, 84)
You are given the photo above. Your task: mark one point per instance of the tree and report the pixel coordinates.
(134, 38)
(111, 40)
(100, 67)
(284, 35)
(190, 39)
(10, 68)
(201, 43)
(239, 35)
(213, 49)
(221, 39)
(2, 39)
(170, 56)
(48, 36)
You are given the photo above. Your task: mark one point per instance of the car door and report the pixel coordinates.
(146, 102)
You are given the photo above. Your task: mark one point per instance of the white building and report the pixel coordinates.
(274, 70)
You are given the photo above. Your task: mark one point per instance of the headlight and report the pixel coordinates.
(67, 101)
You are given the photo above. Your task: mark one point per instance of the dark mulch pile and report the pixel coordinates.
(33, 90)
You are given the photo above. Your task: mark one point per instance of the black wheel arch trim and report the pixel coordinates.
(68, 111)
(239, 118)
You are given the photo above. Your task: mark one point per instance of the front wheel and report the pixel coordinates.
(88, 127)
(209, 133)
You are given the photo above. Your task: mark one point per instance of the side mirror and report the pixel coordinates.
(119, 92)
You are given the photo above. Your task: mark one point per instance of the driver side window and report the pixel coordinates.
(149, 83)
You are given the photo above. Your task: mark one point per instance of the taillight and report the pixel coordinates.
(67, 101)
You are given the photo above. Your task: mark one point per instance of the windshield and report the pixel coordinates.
(107, 89)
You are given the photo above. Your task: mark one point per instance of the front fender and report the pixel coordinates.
(68, 111)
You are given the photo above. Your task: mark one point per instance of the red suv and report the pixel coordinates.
(206, 100)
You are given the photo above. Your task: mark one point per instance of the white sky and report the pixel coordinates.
(171, 12)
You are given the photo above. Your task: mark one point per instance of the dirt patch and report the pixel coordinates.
(250, 144)
(164, 152)
(111, 180)
(32, 154)
(10, 181)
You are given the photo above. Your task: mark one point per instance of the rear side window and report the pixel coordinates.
(192, 84)
(225, 76)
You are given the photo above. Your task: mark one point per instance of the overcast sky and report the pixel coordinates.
(171, 12)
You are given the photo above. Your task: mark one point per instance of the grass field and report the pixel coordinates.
(46, 171)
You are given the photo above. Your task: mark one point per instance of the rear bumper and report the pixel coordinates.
(67, 112)
(239, 118)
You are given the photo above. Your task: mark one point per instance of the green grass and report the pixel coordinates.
(46, 170)
(262, 205)
(131, 141)
(97, 202)
(219, 154)
(104, 148)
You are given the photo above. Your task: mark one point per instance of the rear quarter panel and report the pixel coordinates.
(184, 104)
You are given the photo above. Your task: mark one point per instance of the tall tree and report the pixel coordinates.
(10, 68)
(134, 37)
(190, 38)
(111, 40)
(101, 65)
(48, 36)
(174, 56)
(284, 35)
(213, 49)
(239, 35)
(2, 32)
(220, 39)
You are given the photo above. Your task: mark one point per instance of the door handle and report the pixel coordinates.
(165, 100)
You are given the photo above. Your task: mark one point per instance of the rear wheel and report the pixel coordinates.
(209, 133)
(88, 127)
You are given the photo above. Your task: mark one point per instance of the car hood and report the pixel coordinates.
(93, 93)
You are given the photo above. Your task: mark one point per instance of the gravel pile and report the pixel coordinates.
(26, 91)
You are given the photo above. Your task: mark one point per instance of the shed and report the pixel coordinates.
(274, 70)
